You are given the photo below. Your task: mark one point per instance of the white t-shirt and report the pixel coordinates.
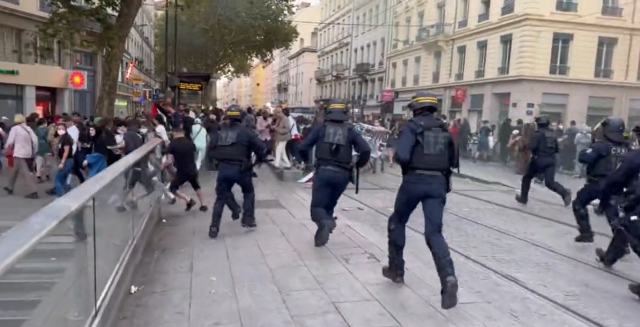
(294, 127)
(75, 134)
(162, 133)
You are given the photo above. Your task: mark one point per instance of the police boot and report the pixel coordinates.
(635, 289)
(235, 215)
(449, 293)
(325, 227)
(248, 222)
(213, 231)
(584, 238)
(567, 198)
(601, 256)
(393, 273)
(584, 228)
(520, 199)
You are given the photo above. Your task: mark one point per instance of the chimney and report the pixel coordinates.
(304, 5)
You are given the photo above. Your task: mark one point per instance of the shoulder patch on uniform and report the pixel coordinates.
(589, 150)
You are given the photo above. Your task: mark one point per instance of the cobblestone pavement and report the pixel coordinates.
(518, 266)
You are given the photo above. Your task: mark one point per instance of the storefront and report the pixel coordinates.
(46, 100)
(11, 100)
(84, 100)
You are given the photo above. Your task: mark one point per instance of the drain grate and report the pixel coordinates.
(268, 204)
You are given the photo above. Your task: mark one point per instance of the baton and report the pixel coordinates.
(357, 180)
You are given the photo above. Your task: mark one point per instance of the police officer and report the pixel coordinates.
(601, 159)
(544, 146)
(626, 229)
(232, 148)
(335, 140)
(426, 154)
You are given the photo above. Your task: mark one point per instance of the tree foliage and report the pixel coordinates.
(224, 36)
(100, 26)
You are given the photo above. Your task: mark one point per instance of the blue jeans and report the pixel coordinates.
(61, 179)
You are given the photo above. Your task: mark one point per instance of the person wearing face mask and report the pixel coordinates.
(199, 138)
(65, 154)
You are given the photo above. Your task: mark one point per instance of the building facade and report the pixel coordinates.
(369, 33)
(335, 35)
(492, 60)
(282, 87)
(30, 82)
(258, 84)
(302, 88)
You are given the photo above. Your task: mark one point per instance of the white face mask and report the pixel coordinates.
(61, 132)
(560, 126)
(120, 131)
(144, 130)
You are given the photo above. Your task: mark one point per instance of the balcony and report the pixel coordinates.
(405, 42)
(507, 9)
(394, 46)
(459, 76)
(403, 81)
(435, 77)
(282, 87)
(483, 17)
(416, 79)
(435, 32)
(558, 69)
(463, 23)
(603, 73)
(480, 73)
(503, 70)
(362, 68)
(392, 83)
(338, 69)
(611, 11)
(566, 6)
(320, 74)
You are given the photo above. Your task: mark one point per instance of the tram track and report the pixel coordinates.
(501, 273)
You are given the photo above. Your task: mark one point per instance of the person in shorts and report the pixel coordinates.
(182, 153)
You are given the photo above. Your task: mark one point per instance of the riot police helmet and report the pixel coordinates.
(234, 113)
(336, 110)
(423, 102)
(636, 130)
(543, 121)
(613, 129)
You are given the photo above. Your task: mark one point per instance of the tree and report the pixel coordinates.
(101, 26)
(224, 36)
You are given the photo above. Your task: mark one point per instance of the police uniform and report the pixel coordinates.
(232, 148)
(335, 140)
(426, 153)
(626, 230)
(601, 159)
(544, 147)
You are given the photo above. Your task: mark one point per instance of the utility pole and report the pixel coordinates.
(176, 94)
(349, 68)
(166, 45)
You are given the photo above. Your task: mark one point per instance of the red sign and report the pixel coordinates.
(127, 75)
(387, 95)
(460, 95)
(77, 80)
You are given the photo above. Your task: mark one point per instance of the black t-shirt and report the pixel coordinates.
(184, 155)
(65, 140)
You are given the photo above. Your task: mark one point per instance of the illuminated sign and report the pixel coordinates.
(13, 72)
(190, 86)
(127, 75)
(77, 80)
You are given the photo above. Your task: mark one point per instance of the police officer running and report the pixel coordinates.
(335, 142)
(544, 146)
(232, 148)
(426, 154)
(601, 159)
(626, 227)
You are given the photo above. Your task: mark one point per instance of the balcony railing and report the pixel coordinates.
(603, 73)
(507, 9)
(432, 31)
(320, 74)
(435, 77)
(503, 70)
(459, 76)
(15, 2)
(362, 68)
(463, 23)
(403, 81)
(392, 83)
(566, 6)
(480, 73)
(483, 17)
(339, 68)
(405, 42)
(611, 11)
(558, 69)
(416, 79)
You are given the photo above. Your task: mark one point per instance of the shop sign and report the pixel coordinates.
(78, 80)
(136, 79)
(387, 95)
(460, 95)
(190, 86)
(122, 103)
(13, 72)
(136, 94)
(127, 75)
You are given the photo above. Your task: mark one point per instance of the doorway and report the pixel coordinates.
(46, 99)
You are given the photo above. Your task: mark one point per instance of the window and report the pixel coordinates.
(383, 12)
(405, 69)
(83, 59)
(370, 18)
(505, 43)
(9, 44)
(10, 100)
(611, 8)
(464, 17)
(508, 7)
(417, 69)
(355, 28)
(462, 54)
(421, 18)
(407, 21)
(560, 48)
(377, 16)
(394, 72)
(396, 32)
(567, 5)
(604, 57)
(437, 62)
(364, 22)
(485, 9)
(482, 58)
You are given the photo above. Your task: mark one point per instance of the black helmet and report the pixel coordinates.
(636, 130)
(336, 110)
(423, 101)
(613, 129)
(234, 113)
(543, 121)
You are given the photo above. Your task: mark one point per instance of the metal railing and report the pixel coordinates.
(79, 244)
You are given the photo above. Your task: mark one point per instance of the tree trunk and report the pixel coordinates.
(112, 56)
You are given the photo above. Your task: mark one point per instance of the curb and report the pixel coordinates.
(292, 175)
